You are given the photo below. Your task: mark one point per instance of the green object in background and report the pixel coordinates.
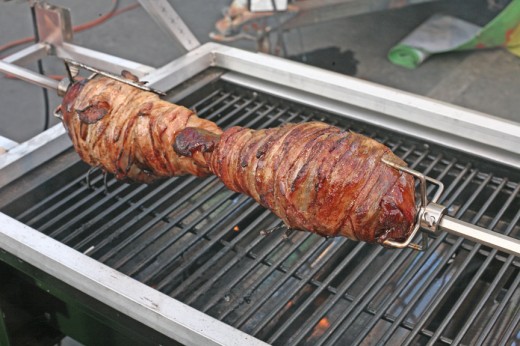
(406, 56)
(441, 33)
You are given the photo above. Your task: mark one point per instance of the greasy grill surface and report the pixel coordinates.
(200, 243)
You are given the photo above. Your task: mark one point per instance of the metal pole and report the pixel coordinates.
(27, 55)
(480, 235)
(171, 23)
(28, 75)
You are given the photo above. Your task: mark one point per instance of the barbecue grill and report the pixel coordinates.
(186, 260)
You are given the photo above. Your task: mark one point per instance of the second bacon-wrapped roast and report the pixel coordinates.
(314, 176)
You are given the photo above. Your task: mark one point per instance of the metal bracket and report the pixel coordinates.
(429, 213)
(432, 216)
(53, 23)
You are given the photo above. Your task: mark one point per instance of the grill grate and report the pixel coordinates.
(200, 243)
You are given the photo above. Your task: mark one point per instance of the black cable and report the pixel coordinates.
(41, 71)
(45, 99)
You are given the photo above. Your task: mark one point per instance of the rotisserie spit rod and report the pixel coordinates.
(30, 76)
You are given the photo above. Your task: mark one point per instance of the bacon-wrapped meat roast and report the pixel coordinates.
(314, 176)
(129, 132)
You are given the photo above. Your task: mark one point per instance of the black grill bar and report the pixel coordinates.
(74, 192)
(219, 101)
(446, 288)
(274, 266)
(242, 204)
(259, 258)
(355, 275)
(209, 97)
(100, 216)
(512, 328)
(487, 295)
(199, 242)
(259, 302)
(60, 214)
(72, 216)
(178, 185)
(456, 276)
(164, 246)
(158, 217)
(499, 310)
(303, 282)
(229, 247)
(482, 267)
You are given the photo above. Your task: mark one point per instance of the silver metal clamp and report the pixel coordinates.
(429, 213)
(432, 217)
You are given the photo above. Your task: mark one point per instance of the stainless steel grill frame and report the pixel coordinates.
(304, 288)
(280, 290)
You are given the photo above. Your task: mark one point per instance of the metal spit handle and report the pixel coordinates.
(481, 235)
(29, 76)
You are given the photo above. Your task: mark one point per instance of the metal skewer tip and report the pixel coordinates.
(121, 79)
